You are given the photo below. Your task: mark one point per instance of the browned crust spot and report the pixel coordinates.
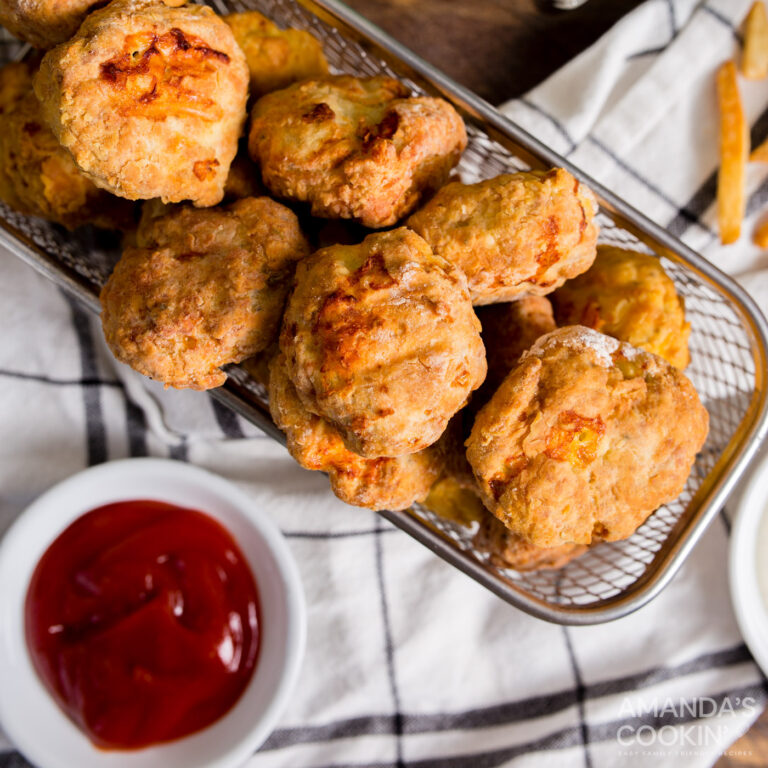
(118, 69)
(318, 114)
(205, 169)
(385, 130)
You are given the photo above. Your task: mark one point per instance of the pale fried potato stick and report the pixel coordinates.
(754, 61)
(760, 235)
(734, 146)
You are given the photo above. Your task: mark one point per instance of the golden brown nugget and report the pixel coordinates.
(509, 329)
(355, 148)
(515, 234)
(629, 296)
(37, 175)
(44, 23)
(382, 483)
(208, 291)
(584, 439)
(276, 57)
(508, 550)
(150, 100)
(381, 341)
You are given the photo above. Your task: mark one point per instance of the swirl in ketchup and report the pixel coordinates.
(142, 619)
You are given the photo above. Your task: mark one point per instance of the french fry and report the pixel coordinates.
(734, 146)
(760, 235)
(754, 60)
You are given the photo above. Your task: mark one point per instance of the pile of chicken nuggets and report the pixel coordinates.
(469, 346)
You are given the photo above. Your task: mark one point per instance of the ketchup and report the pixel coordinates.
(142, 620)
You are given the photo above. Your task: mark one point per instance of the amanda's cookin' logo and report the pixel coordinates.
(680, 723)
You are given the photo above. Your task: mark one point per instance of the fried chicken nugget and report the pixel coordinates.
(382, 483)
(355, 148)
(584, 439)
(44, 23)
(37, 175)
(208, 291)
(508, 550)
(381, 341)
(515, 234)
(150, 100)
(629, 296)
(509, 329)
(276, 57)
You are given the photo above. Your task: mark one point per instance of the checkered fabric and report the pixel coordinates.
(410, 663)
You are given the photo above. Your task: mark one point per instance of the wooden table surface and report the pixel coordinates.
(500, 49)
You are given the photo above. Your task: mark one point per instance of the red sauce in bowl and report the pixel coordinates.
(142, 620)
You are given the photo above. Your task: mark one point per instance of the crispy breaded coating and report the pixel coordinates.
(584, 439)
(508, 550)
(515, 234)
(150, 100)
(380, 340)
(355, 148)
(509, 329)
(208, 291)
(629, 296)
(44, 23)
(276, 57)
(382, 483)
(37, 175)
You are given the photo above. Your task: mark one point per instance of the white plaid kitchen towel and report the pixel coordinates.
(410, 663)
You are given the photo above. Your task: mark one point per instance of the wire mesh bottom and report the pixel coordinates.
(722, 356)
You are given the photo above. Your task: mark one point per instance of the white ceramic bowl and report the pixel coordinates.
(748, 559)
(29, 715)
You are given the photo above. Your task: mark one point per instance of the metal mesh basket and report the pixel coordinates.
(728, 339)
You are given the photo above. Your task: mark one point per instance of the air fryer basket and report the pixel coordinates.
(728, 338)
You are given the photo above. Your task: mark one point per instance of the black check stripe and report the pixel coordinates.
(685, 212)
(580, 698)
(227, 420)
(137, 428)
(55, 382)
(13, 760)
(559, 127)
(514, 712)
(705, 195)
(725, 21)
(389, 653)
(509, 712)
(336, 534)
(96, 431)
